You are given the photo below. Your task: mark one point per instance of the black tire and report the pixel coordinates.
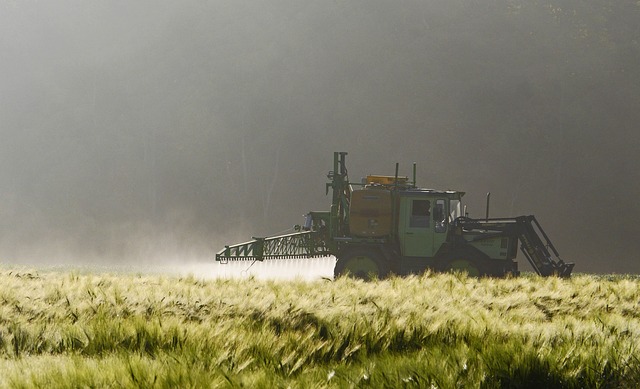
(466, 265)
(362, 263)
(466, 260)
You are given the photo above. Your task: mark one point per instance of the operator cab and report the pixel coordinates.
(424, 219)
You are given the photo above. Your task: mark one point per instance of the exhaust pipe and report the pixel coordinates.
(487, 214)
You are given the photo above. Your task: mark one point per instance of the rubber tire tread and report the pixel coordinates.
(377, 257)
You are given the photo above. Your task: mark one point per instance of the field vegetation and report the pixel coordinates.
(72, 329)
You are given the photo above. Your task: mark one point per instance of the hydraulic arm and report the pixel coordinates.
(528, 231)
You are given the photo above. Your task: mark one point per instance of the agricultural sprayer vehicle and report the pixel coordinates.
(387, 225)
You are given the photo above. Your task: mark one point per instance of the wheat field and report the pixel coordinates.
(83, 329)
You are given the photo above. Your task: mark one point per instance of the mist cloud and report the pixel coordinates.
(131, 127)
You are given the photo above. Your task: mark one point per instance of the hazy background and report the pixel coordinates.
(148, 131)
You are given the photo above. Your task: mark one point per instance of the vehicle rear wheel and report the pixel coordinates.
(365, 264)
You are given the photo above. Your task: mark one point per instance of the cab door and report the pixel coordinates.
(416, 228)
(440, 220)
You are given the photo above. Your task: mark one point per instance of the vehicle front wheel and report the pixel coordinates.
(464, 265)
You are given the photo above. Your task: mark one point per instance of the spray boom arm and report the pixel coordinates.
(302, 244)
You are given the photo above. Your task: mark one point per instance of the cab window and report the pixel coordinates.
(440, 216)
(420, 212)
